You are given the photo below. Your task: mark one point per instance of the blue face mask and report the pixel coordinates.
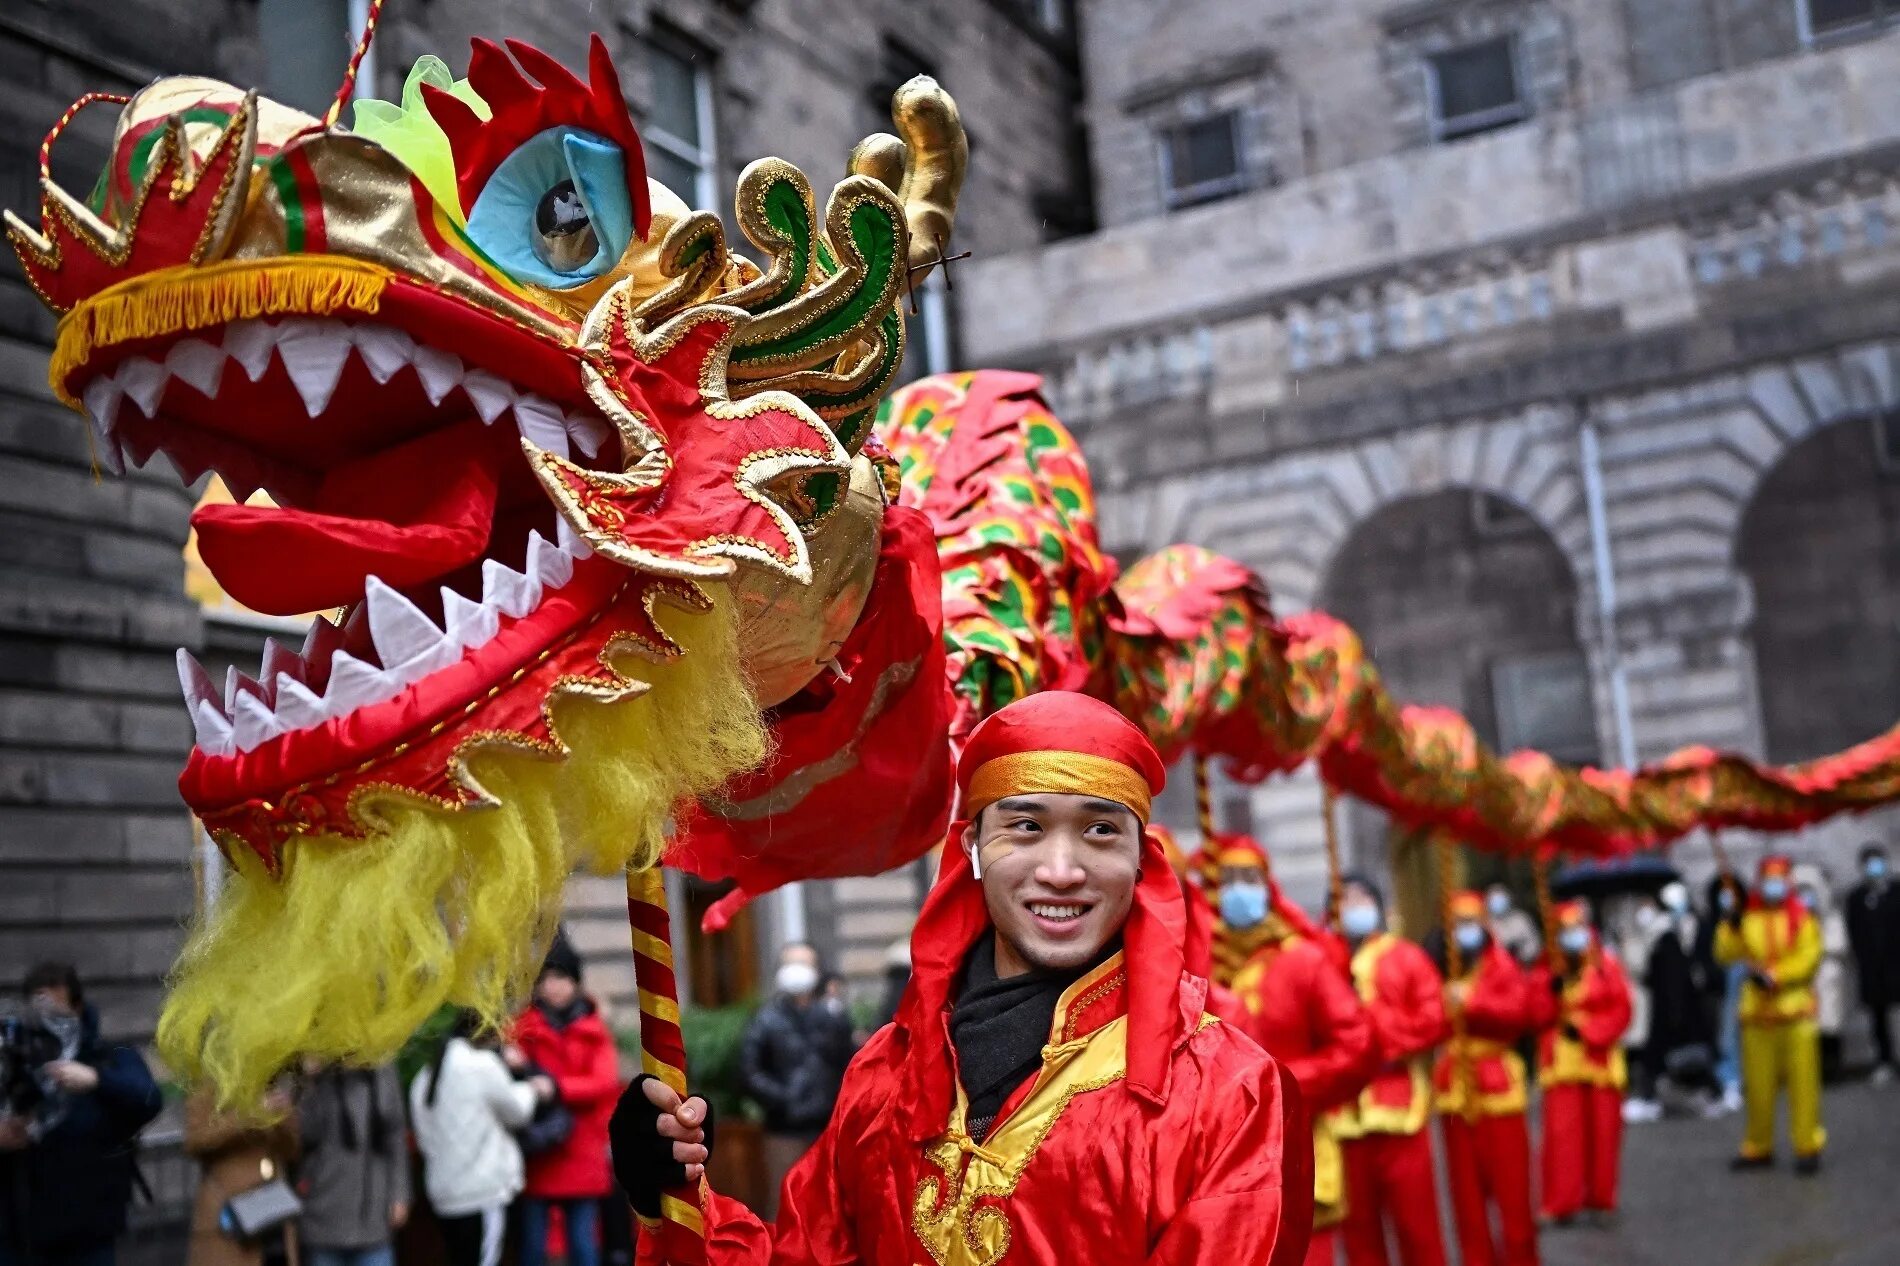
(1243, 905)
(1470, 937)
(1360, 921)
(1725, 898)
(1876, 868)
(1498, 903)
(1574, 940)
(1774, 891)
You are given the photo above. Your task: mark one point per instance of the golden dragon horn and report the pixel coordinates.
(923, 165)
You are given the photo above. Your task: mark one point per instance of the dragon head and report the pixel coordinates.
(507, 399)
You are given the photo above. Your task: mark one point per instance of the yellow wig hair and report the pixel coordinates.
(359, 941)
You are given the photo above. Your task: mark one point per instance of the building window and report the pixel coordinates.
(1821, 19)
(1543, 702)
(678, 130)
(1200, 160)
(1475, 89)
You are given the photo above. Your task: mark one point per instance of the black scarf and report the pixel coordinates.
(999, 1027)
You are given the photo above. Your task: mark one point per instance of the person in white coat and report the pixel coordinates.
(465, 1108)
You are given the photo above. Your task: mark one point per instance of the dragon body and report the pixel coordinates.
(625, 554)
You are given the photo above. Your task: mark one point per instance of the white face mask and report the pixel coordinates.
(796, 978)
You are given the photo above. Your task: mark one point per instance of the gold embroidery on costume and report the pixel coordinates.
(958, 1213)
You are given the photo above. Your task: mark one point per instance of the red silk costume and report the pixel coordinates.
(1153, 1134)
(1480, 1085)
(1581, 1069)
(1384, 1135)
(1302, 1009)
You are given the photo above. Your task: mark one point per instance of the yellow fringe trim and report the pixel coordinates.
(193, 297)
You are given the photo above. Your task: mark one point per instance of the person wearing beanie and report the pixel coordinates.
(1052, 1088)
(1481, 1092)
(1301, 1007)
(1777, 940)
(563, 1036)
(1583, 1003)
(1385, 1132)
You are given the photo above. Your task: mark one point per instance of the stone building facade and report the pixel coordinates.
(98, 859)
(1550, 342)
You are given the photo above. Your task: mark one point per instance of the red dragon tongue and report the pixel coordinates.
(407, 516)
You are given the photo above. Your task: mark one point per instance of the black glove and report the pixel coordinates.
(642, 1156)
(1556, 985)
(1571, 1034)
(1762, 979)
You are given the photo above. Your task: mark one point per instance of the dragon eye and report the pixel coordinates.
(556, 211)
(564, 237)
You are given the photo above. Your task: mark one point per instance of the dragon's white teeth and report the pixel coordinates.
(298, 707)
(570, 541)
(280, 661)
(313, 353)
(400, 631)
(548, 562)
(467, 624)
(144, 381)
(489, 394)
(438, 371)
(212, 727)
(249, 343)
(542, 425)
(508, 590)
(384, 350)
(253, 723)
(237, 684)
(319, 644)
(195, 681)
(589, 431)
(101, 398)
(197, 363)
(238, 486)
(354, 684)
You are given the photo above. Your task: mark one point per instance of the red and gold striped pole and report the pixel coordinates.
(1203, 802)
(680, 1229)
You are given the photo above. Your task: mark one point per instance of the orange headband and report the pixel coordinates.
(1057, 773)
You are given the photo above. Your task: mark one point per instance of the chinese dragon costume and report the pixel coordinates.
(632, 557)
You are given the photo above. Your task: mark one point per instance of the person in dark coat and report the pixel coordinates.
(1681, 1044)
(68, 1143)
(1873, 933)
(792, 1061)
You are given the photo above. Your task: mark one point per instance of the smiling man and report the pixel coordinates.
(1052, 1090)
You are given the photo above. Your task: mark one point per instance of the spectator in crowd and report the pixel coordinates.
(1873, 931)
(354, 1177)
(564, 1036)
(465, 1106)
(1679, 1050)
(69, 1128)
(896, 978)
(792, 1061)
(236, 1154)
(1514, 929)
(1726, 895)
(1830, 980)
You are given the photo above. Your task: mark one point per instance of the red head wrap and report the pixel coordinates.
(1058, 727)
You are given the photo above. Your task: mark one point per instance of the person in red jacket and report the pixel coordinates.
(1480, 1086)
(1052, 1090)
(1199, 950)
(1384, 1132)
(1584, 1007)
(1301, 1007)
(563, 1036)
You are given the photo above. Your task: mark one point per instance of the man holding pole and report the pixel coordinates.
(1052, 1088)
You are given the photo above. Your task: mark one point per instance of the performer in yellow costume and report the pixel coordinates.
(1779, 941)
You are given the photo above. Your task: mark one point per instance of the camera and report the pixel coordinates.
(28, 1043)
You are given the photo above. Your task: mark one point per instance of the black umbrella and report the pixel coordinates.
(1644, 872)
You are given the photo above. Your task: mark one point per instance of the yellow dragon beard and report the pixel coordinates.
(345, 954)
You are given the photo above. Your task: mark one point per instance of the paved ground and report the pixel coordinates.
(1682, 1207)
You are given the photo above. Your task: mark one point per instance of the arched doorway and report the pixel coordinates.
(1820, 545)
(1464, 600)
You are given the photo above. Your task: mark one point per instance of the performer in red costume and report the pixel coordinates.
(1301, 1007)
(1480, 1086)
(1384, 1134)
(1052, 1090)
(1584, 1007)
(1200, 930)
